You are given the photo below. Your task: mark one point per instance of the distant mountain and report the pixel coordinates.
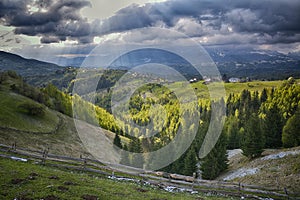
(234, 62)
(260, 64)
(149, 55)
(36, 72)
(295, 55)
(76, 62)
(26, 67)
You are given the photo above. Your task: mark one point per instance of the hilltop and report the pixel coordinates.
(35, 72)
(26, 67)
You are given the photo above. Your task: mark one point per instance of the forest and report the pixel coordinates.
(255, 120)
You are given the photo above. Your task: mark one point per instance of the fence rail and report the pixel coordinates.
(96, 166)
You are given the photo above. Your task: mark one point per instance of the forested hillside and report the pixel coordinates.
(256, 119)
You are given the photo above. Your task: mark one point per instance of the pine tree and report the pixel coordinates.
(136, 147)
(291, 131)
(117, 141)
(208, 166)
(216, 161)
(263, 96)
(253, 140)
(244, 106)
(272, 127)
(255, 102)
(190, 162)
(233, 133)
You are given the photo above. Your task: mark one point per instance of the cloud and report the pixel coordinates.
(53, 20)
(219, 21)
(9, 40)
(279, 19)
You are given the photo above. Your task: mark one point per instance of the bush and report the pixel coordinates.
(32, 109)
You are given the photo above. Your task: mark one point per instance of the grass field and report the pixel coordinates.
(205, 92)
(53, 130)
(20, 180)
(12, 117)
(236, 88)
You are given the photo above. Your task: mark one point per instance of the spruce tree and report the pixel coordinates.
(255, 102)
(263, 96)
(208, 166)
(216, 161)
(272, 127)
(291, 131)
(190, 162)
(117, 141)
(253, 139)
(232, 131)
(135, 146)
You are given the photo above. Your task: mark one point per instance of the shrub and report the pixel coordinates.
(32, 109)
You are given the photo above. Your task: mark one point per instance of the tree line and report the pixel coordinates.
(255, 120)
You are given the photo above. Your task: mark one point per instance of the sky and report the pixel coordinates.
(53, 29)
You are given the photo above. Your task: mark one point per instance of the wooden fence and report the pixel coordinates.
(155, 178)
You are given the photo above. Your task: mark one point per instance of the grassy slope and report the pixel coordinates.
(28, 180)
(65, 141)
(275, 174)
(236, 88)
(12, 117)
(54, 130)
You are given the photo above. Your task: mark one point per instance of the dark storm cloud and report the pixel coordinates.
(54, 20)
(279, 19)
(52, 39)
(268, 21)
(16, 13)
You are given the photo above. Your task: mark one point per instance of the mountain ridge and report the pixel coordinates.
(8, 61)
(255, 64)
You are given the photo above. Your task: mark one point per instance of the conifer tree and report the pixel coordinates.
(291, 131)
(232, 131)
(190, 162)
(255, 102)
(117, 141)
(253, 140)
(263, 96)
(135, 146)
(216, 161)
(272, 127)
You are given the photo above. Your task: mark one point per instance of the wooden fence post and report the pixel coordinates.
(286, 192)
(44, 156)
(14, 146)
(84, 164)
(278, 186)
(194, 177)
